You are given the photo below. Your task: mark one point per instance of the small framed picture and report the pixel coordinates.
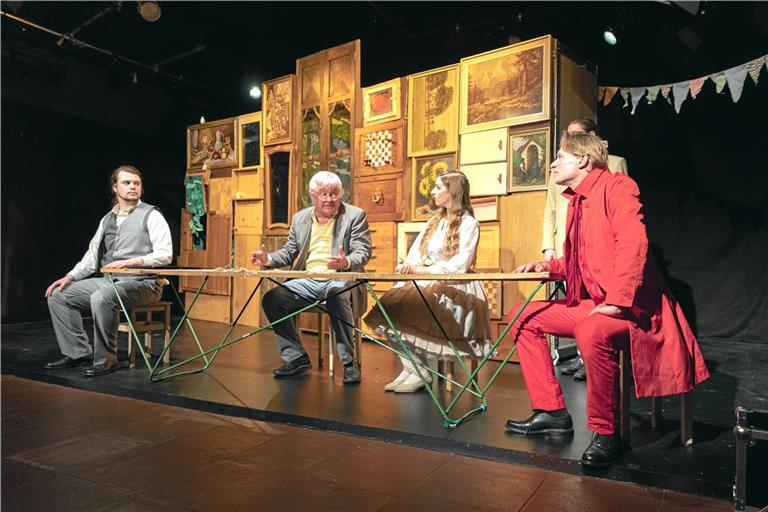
(249, 127)
(381, 102)
(406, 235)
(278, 109)
(425, 172)
(529, 158)
(212, 144)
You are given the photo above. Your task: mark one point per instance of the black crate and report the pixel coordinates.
(751, 431)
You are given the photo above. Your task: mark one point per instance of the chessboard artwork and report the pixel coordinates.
(378, 148)
(493, 292)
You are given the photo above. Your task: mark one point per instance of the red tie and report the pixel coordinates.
(572, 273)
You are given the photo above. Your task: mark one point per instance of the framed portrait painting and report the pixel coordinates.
(406, 235)
(506, 87)
(433, 111)
(425, 172)
(381, 102)
(249, 128)
(529, 158)
(278, 110)
(212, 144)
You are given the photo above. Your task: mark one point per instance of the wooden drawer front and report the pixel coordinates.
(382, 261)
(248, 183)
(486, 179)
(383, 237)
(488, 246)
(249, 217)
(482, 147)
(381, 197)
(380, 149)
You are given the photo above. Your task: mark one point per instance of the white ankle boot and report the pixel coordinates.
(398, 380)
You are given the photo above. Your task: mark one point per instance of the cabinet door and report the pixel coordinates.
(486, 179)
(381, 197)
(488, 246)
(482, 147)
(249, 217)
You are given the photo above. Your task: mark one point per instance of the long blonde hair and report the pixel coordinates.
(458, 186)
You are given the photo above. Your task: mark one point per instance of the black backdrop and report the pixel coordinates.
(703, 176)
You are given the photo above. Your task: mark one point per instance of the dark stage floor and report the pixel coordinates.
(240, 383)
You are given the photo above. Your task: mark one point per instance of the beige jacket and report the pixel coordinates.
(553, 230)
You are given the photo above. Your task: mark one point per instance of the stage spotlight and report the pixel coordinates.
(610, 37)
(150, 11)
(255, 92)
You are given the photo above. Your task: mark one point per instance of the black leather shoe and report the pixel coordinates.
(99, 369)
(351, 373)
(67, 362)
(581, 374)
(603, 451)
(572, 366)
(294, 367)
(542, 422)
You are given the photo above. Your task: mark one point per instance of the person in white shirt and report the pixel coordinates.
(446, 245)
(131, 234)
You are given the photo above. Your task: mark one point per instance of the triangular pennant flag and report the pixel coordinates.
(610, 92)
(636, 93)
(665, 92)
(600, 93)
(719, 79)
(754, 66)
(680, 90)
(735, 77)
(696, 85)
(625, 96)
(653, 93)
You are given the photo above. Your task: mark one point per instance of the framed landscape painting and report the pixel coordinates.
(212, 144)
(506, 87)
(433, 111)
(529, 159)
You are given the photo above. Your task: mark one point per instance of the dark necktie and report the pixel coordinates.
(572, 273)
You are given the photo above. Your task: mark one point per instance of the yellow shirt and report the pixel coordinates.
(320, 239)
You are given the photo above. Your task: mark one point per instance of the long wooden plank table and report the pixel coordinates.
(356, 279)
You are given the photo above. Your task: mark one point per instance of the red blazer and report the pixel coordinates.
(665, 355)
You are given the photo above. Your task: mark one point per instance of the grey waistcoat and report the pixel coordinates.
(130, 240)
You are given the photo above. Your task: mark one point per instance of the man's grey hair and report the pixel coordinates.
(321, 178)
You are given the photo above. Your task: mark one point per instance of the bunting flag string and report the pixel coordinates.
(677, 93)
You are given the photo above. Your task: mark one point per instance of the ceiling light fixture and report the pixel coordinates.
(255, 92)
(150, 11)
(610, 37)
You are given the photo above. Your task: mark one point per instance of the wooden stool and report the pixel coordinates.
(446, 368)
(148, 325)
(625, 380)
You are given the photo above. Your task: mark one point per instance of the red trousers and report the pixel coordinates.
(598, 337)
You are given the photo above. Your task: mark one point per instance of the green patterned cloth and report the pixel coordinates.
(196, 208)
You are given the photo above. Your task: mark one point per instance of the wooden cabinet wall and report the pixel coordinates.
(328, 85)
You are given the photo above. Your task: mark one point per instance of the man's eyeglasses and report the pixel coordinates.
(328, 195)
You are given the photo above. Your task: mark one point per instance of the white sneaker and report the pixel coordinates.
(412, 384)
(398, 380)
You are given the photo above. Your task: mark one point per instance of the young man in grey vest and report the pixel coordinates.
(132, 234)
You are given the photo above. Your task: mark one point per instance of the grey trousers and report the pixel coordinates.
(279, 302)
(97, 295)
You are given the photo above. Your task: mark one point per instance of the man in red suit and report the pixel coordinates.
(616, 299)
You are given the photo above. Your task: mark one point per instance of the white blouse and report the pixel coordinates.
(459, 263)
